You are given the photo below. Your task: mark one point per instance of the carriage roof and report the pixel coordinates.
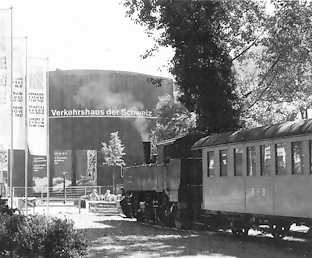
(259, 133)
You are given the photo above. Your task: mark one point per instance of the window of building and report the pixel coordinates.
(211, 163)
(251, 161)
(266, 158)
(297, 158)
(238, 162)
(223, 162)
(280, 150)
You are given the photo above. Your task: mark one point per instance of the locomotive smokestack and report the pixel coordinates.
(147, 152)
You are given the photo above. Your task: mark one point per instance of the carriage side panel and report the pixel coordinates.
(293, 196)
(259, 195)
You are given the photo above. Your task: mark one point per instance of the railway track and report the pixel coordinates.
(294, 234)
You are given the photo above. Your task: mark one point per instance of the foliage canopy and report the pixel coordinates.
(275, 74)
(202, 33)
(235, 58)
(173, 120)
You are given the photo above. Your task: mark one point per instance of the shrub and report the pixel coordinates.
(63, 240)
(13, 224)
(5, 214)
(38, 236)
(4, 237)
(4, 208)
(30, 236)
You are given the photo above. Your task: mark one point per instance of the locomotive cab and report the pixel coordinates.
(167, 191)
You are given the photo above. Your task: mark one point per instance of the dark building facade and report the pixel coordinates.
(86, 106)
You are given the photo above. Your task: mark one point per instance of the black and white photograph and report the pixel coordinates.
(156, 128)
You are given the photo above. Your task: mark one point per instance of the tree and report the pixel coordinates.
(215, 44)
(203, 34)
(113, 152)
(264, 113)
(173, 119)
(281, 76)
(288, 44)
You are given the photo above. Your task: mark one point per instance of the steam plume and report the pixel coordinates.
(100, 96)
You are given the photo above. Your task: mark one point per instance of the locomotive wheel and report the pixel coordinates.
(279, 231)
(239, 229)
(240, 232)
(139, 216)
(178, 223)
(165, 217)
(237, 232)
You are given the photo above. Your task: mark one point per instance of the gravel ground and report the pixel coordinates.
(115, 236)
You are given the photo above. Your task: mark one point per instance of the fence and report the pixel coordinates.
(65, 194)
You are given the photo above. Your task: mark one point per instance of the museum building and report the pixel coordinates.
(85, 107)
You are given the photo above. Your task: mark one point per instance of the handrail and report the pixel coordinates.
(69, 190)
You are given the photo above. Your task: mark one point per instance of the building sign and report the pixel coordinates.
(109, 112)
(62, 163)
(39, 165)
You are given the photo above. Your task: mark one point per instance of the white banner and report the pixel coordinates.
(19, 72)
(5, 78)
(37, 104)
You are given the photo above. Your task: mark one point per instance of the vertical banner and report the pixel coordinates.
(19, 76)
(5, 92)
(91, 165)
(37, 106)
(5, 78)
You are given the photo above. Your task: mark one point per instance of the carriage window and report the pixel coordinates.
(280, 150)
(238, 162)
(266, 165)
(211, 163)
(297, 156)
(223, 162)
(251, 161)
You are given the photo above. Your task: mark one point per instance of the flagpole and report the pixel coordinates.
(48, 130)
(26, 128)
(11, 106)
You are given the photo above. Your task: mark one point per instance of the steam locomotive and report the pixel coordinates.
(261, 177)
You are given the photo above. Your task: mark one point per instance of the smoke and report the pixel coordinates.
(100, 96)
(95, 95)
(141, 124)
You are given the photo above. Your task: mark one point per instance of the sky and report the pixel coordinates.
(85, 34)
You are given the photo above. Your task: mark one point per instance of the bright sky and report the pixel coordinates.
(85, 34)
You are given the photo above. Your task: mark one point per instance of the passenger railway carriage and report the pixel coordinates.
(259, 176)
(235, 180)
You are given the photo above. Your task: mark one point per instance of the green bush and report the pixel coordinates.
(62, 240)
(28, 240)
(4, 208)
(38, 236)
(4, 237)
(5, 214)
